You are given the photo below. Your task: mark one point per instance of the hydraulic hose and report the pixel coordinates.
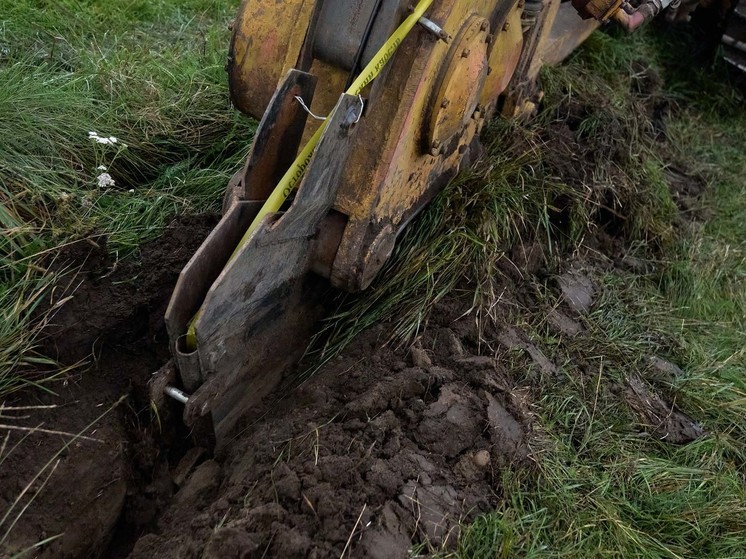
(637, 17)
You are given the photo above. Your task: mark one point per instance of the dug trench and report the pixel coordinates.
(105, 458)
(385, 450)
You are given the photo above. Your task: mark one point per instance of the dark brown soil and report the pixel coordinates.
(382, 450)
(115, 303)
(116, 312)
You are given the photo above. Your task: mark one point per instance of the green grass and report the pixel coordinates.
(149, 73)
(603, 486)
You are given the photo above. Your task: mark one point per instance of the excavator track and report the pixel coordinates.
(734, 38)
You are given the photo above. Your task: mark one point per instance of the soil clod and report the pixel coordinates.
(664, 420)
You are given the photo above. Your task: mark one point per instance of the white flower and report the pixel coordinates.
(105, 180)
(131, 191)
(101, 140)
(101, 168)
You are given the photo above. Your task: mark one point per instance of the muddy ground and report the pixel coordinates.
(386, 450)
(115, 314)
(382, 446)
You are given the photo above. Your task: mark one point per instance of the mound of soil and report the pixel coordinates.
(380, 451)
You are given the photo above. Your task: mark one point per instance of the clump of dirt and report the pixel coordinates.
(116, 463)
(382, 450)
(600, 149)
(82, 487)
(113, 301)
(663, 419)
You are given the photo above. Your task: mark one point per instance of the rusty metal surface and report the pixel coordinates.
(411, 142)
(568, 32)
(460, 84)
(596, 9)
(272, 153)
(519, 98)
(507, 44)
(392, 173)
(267, 40)
(204, 267)
(278, 136)
(264, 303)
(342, 25)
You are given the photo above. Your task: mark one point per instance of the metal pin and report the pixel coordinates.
(730, 41)
(176, 394)
(354, 115)
(434, 28)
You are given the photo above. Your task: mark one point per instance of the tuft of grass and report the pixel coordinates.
(19, 366)
(149, 74)
(603, 485)
(592, 159)
(460, 239)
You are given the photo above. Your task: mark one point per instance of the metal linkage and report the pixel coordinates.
(176, 394)
(435, 29)
(531, 11)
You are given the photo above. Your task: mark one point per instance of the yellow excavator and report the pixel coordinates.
(367, 108)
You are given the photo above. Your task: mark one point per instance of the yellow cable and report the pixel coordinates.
(294, 174)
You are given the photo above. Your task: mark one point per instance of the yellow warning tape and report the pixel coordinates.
(294, 174)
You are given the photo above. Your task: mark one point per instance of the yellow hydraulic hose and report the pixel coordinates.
(294, 174)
